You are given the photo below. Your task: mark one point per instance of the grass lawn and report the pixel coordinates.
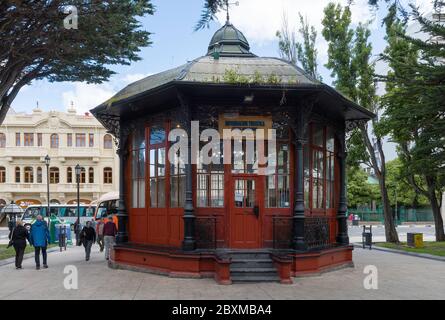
(10, 253)
(433, 248)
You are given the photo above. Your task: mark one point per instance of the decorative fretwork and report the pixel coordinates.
(354, 124)
(205, 232)
(317, 232)
(282, 232)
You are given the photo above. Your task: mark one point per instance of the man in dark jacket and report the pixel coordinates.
(88, 236)
(39, 239)
(18, 237)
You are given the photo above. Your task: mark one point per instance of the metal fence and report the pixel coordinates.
(316, 232)
(403, 215)
(205, 232)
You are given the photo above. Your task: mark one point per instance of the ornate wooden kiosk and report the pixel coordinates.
(226, 220)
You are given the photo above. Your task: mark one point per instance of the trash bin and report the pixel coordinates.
(367, 237)
(53, 221)
(415, 240)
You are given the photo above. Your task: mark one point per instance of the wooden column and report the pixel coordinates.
(122, 215)
(342, 233)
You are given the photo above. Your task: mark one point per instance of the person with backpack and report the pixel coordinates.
(18, 237)
(39, 239)
(88, 237)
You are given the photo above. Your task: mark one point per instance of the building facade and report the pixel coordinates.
(69, 139)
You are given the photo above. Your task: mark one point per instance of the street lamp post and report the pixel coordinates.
(78, 171)
(47, 162)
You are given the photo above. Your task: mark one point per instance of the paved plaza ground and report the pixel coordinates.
(399, 277)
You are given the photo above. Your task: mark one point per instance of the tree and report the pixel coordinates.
(37, 45)
(208, 14)
(400, 186)
(360, 192)
(349, 59)
(415, 106)
(295, 52)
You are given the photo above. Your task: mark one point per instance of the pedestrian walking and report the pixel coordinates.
(77, 231)
(39, 239)
(100, 233)
(110, 232)
(88, 235)
(18, 237)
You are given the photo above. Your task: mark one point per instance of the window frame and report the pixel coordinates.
(108, 175)
(54, 175)
(81, 140)
(28, 139)
(2, 174)
(54, 141)
(2, 140)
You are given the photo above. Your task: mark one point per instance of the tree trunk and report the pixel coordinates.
(390, 228)
(435, 206)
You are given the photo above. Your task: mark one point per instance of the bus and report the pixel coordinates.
(107, 205)
(65, 212)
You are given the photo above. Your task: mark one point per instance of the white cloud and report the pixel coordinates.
(130, 78)
(87, 96)
(260, 19)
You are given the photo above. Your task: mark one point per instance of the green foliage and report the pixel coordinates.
(339, 35)
(209, 11)
(295, 52)
(360, 192)
(399, 186)
(349, 59)
(415, 104)
(233, 76)
(36, 45)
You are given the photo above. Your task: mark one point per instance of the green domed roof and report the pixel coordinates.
(229, 42)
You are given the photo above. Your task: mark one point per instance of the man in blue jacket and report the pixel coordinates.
(39, 239)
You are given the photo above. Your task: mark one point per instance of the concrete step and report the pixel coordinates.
(252, 264)
(243, 256)
(240, 278)
(253, 270)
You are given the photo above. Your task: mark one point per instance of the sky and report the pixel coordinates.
(175, 43)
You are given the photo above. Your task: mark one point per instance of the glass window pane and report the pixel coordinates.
(174, 192)
(330, 141)
(141, 193)
(161, 162)
(153, 193)
(139, 138)
(306, 157)
(181, 198)
(161, 193)
(157, 135)
(317, 135)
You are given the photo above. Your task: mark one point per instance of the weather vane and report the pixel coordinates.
(228, 4)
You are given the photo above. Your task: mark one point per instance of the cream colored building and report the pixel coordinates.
(69, 139)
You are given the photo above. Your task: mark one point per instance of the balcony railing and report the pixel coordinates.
(205, 233)
(316, 232)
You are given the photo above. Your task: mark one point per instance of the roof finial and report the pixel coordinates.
(228, 4)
